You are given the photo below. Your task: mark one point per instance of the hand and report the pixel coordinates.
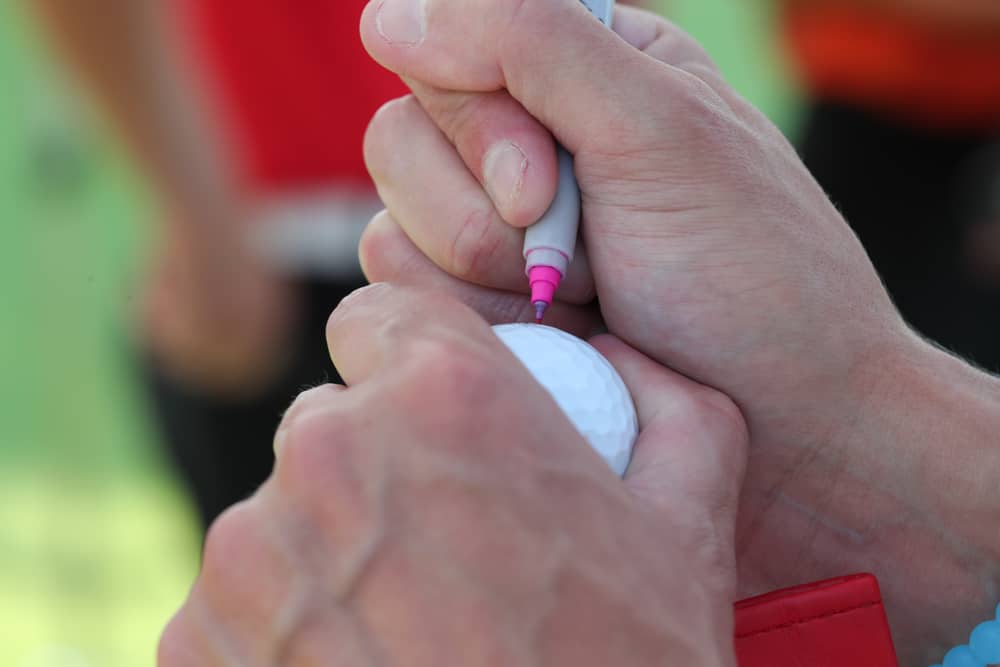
(442, 511)
(213, 315)
(709, 270)
(712, 250)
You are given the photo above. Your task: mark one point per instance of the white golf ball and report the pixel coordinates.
(583, 383)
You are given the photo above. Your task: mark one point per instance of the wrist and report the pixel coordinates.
(925, 459)
(929, 425)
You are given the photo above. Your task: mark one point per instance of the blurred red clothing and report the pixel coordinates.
(923, 73)
(293, 84)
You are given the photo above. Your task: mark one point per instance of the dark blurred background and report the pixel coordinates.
(167, 257)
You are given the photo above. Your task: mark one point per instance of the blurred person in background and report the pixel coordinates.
(248, 126)
(903, 131)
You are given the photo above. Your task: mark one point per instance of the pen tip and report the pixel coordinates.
(540, 307)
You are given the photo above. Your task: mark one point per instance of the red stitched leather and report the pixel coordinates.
(833, 623)
(818, 617)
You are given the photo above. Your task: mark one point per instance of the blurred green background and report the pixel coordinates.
(97, 542)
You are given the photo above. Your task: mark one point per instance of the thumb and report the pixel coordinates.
(691, 454)
(554, 57)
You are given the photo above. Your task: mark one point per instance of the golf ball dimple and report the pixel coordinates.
(584, 385)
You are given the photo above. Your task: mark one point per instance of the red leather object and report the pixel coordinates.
(834, 623)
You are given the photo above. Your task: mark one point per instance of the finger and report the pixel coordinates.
(444, 210)
(502, 143)
(664, 41)
(563, 66)
(234, 615)
(418, 351)
(505, 148)
(312, 400)
(660, 39)
(378, 328)
(692, 446)
(186, 643)
(484, 46)
(388, 255)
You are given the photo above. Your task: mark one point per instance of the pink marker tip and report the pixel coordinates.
(540, 307)
(544, 281)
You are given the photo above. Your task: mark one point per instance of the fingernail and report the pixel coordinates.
(503, 171)
(402, 22)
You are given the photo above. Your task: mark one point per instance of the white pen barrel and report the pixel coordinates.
(552, 240)
(604, 10)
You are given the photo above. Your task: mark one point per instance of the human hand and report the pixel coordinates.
(441, 510)
(212, 314)
(694, 270)
(712, 250)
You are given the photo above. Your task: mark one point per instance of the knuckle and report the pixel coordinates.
(475, 245)
(696, 121)
(459, 115)
(446, 395)
(316, 630)
(703, 70)
(250, 585)
(377, 241)
(457, 372)
(388, 255)
(355, 303)
(512, 8)
(709, 120)
(234, 554)
(175, 646)
(715, 408)
(436, 356)
(693, 94)
(308, 452)
(229, 539)
(392, 118)
(669, 44)
(307, 401)
(695, 115)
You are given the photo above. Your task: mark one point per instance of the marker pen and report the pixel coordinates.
(550, 242)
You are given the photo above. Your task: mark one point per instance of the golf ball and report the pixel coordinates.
(583, 383)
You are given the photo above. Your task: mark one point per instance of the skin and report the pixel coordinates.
(407, 524)
(713, 251)
(209, 311)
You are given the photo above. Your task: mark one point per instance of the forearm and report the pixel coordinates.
(903, 468)
(948, 415)
(925, 451)
(123, 54)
